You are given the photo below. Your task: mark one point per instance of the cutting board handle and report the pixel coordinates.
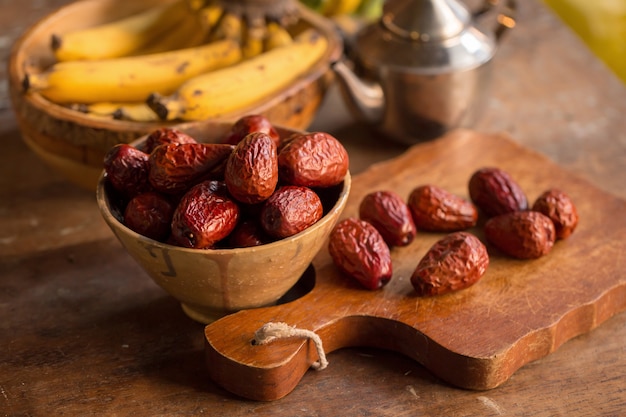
(272, 370)
(342, 315)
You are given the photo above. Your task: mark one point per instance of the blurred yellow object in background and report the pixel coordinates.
(602, 26)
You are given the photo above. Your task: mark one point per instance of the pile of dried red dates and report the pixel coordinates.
(252, 188)
(360, 247)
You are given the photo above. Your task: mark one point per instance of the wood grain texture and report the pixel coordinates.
(476, 338)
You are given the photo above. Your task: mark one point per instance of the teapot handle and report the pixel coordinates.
(505, 18)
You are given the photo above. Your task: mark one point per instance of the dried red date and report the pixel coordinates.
(203, 217)
(174, 168)
(290, 210)
(495, 192)
(559, 207)
(165, 135)
(247, 234)
(521, 234)
(250, 124)
(455, 262)
(127, 169)
(252, 169)
(359, 251)
(435, 209)
(313, 160)
(284, 141)
(149, 214)
(390, 215)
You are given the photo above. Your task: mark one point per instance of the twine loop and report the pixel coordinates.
(272, 331)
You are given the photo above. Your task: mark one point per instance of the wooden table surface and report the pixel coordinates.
(84, 331)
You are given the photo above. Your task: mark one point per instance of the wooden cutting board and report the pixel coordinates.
(476, 338)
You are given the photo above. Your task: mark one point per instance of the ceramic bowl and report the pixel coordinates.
(210, 283)
(74, 143)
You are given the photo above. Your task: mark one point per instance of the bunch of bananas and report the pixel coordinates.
(183, 60)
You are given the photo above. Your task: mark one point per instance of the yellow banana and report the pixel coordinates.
(137, 112)
(229, 26)
(222, 91)
(210, 15)
(252, 42)
(130, 78)
(196, 5)
(339, 7)
(188, 32)
(276, 36)
(120, 37)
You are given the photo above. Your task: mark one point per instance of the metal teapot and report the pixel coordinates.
(423, 68)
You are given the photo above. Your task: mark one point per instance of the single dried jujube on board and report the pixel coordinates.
(455, 262)
(494, 191)
(522, 234)
(560, 208)
(251, 173)
(390, 215)
(127, 169)
(290, 210)
(174, 168)
(435, 209)
(313, 160)
(360, 252)
(149, 214)
(203, 217)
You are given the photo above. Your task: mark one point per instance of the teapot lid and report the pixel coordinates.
(420, 20)
(427, 36)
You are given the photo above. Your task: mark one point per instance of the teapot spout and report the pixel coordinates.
(365, 100)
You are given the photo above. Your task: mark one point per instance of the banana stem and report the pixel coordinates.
(34, 82)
